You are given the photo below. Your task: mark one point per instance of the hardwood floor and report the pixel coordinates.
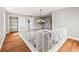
(14, 43)
(0, 49)
(70, 46)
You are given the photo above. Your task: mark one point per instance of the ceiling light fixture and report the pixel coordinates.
(40, 20)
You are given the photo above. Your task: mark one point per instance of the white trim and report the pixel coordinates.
(74, 38)
(56, 47)
(31, 47)
(8, 24)
(4, 33)
(9, 21)
(7, 32)
(2, 40)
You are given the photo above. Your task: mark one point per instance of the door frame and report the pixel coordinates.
(9, 22)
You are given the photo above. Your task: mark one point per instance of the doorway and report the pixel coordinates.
(13, 24)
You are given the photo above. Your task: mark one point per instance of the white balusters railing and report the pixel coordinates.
(45, 40)
(58, 37)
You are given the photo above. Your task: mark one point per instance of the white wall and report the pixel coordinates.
(7, 23)
(22, 19)
(2, 25)
(67, 17)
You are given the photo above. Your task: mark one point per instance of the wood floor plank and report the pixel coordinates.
(0, 49)
(14, 43)
(70, 46)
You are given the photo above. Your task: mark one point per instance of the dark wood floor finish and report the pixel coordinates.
(14, 43)
(70, 46)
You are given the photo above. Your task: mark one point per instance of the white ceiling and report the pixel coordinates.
(32, 11)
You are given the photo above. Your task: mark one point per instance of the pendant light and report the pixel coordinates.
(40, 20)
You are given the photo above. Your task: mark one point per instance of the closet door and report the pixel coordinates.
(13, 24)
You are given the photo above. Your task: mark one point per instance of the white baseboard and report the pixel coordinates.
(74, 38)
(2, 40)
(7, 32)
(31, 47)
(60, 44)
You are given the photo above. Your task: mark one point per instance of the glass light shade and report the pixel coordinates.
(40, 20)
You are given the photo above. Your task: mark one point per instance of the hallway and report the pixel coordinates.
(14, 43)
